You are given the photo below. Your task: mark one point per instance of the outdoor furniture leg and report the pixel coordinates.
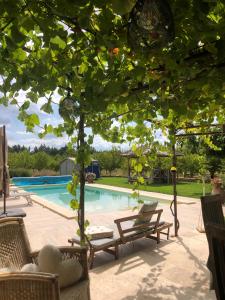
(168, 233)
(29, 200)
(116, 251)
(161, 229)
(158, 237)
(113, 252)
(91, 258)
(155, 238)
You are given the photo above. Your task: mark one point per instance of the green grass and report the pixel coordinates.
(186, 189)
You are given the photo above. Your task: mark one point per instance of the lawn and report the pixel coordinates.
(187, 189)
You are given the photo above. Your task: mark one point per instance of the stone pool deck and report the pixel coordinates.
(174, 269)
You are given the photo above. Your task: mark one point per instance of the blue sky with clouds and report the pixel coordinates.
(17, 134)
(16, 131)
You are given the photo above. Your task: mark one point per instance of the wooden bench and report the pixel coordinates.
(128, 231)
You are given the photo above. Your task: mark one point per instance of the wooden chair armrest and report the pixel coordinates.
(74, 249)
(67, 249)
(30, 275)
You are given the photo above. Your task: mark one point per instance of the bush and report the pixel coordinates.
(20, 172)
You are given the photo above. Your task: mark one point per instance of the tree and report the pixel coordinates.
(190, 164)
(109, 160)
(215, 154)
(50, 47)
(22, 159)
(41, 160)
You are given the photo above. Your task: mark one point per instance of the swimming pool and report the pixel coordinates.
(96, 199)
(26, 181)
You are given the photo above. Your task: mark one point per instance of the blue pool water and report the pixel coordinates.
(96, 200)
(26, 181)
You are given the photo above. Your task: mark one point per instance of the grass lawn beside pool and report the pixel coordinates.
(186, 189)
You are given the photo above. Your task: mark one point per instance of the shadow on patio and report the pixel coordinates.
(132, 256)
(172, 282)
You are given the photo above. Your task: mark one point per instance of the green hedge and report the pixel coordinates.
(20, 172)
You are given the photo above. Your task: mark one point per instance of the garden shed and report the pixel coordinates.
(68, 165)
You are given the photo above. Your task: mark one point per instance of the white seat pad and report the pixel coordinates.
(99, 232)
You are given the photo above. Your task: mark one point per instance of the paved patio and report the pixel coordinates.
(174, 269)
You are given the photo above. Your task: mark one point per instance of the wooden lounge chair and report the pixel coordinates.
(127, 232)
(15, 252)
(216, 237)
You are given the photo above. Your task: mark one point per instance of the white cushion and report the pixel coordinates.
(30, 268)
(146, 207)
(70, 271)
(98, 232)
(49, 259)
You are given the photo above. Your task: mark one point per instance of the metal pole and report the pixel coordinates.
(128, 169)
(81, 218)
(174, 178)
(4, 170)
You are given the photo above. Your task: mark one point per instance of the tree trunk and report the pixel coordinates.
(81, 144)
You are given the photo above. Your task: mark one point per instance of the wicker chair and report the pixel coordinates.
(212, 212)
(15, 252)
(216, 235)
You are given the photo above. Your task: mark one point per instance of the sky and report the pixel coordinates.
(17, 134)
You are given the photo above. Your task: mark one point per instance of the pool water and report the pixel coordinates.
(26, 181)
(96, 199)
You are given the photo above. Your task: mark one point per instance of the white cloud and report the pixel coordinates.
(100, 144)
(16, 131)
(17, 134)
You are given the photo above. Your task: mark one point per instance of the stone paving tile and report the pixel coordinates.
(172, 270)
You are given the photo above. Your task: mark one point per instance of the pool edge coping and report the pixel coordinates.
(62, 211)
(166, 197)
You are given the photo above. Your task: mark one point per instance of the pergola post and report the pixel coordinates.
(174, 179)
(129, 169)
(81, 211)
(4, 170)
